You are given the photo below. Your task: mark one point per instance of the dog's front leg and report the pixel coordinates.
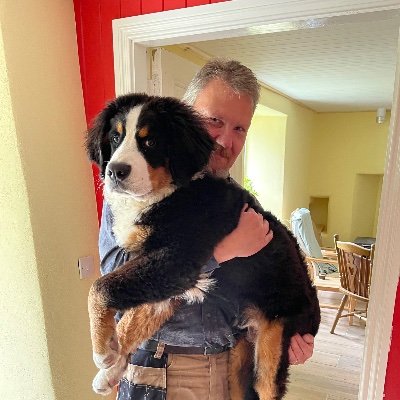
(102, 330)
(137, 325)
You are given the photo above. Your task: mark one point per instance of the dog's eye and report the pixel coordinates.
(115, 138)
(150, 143)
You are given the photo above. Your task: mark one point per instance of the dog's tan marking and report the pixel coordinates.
(159, 177)
(140, 323)
(143, 132)
(137, 236)
(102, 323)
(119, 127)
(267, 336)
(240, 358)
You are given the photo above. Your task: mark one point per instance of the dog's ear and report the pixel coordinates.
(190, 145)
(98, 146)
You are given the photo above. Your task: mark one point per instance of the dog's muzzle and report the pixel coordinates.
(118, 172)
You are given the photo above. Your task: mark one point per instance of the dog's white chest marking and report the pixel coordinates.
(125, 211)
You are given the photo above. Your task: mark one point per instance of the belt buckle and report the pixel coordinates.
(159, 350)
(210, 350)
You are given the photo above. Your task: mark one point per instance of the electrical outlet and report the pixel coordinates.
(86, 267)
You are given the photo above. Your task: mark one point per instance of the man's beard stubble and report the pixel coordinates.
(223, 153)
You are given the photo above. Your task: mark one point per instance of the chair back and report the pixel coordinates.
(302, 228)
(355, 268)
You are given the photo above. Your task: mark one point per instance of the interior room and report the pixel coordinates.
(60, 61)
(315, 142)
(298, 180)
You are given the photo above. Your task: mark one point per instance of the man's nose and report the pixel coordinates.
(224, 139)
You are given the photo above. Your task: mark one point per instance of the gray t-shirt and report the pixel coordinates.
(212, 324)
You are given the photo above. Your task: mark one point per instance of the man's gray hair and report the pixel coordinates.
(237, 76)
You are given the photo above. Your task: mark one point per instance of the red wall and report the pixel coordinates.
(392, 387)
(94, 35)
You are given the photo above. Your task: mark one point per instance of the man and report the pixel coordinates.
(189, 355)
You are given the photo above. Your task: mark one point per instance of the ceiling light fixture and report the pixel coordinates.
(380, 115)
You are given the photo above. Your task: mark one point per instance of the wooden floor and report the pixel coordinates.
(333, 373)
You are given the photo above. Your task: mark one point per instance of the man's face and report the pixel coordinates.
(228, 119)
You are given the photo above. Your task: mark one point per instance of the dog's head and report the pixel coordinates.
(143, 143)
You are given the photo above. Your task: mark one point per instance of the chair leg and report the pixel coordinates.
(339, 313)
(352, 307)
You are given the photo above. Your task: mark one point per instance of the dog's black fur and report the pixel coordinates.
(186, 226)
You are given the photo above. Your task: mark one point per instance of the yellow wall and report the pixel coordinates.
(344, 145)
(365, 197)
(299, 128)
(23, 333)
(264, 161)
(48, 217)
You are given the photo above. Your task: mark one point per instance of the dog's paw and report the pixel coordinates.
(100, 383)
(103, 361)
(106, 379)
(106, 360)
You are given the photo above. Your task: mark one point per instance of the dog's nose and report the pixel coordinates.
(118, 171)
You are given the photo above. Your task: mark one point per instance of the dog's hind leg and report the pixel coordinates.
(268, 340)
(240, 365)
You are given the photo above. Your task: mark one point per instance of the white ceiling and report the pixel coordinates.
(337, 67)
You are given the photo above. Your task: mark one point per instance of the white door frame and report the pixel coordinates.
(243, 17)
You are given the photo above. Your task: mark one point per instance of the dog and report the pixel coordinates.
(152, 153)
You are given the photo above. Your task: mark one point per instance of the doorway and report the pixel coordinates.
(134, 34)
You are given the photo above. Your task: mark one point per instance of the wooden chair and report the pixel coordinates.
(329, 282)
(355, 267)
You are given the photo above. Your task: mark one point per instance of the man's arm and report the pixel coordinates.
(111, 255)
(251, 235)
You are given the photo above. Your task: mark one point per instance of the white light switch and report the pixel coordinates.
(86, 267)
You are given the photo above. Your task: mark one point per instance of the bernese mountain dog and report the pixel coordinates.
(152, 153)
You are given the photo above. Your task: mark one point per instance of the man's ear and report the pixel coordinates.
(190, 146)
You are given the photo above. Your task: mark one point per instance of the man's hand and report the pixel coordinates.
(248, 238)
(301, 348)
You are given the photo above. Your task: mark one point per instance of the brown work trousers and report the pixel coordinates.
(197, 377)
